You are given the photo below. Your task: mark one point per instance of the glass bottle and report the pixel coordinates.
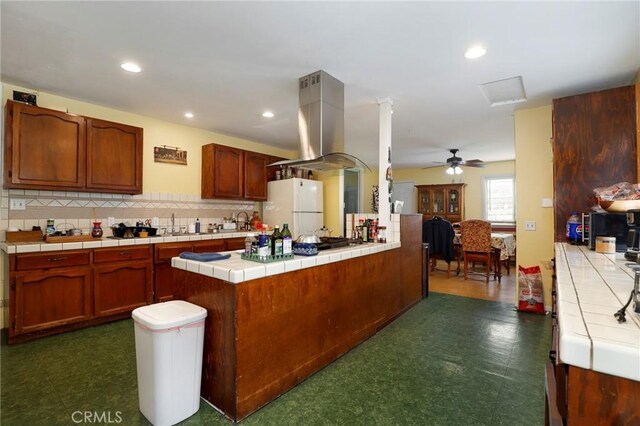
(276, 242)
(96, 231)
(287, 243)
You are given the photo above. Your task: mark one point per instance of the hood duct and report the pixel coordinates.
(321, 125)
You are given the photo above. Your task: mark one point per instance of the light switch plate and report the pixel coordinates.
(547, 202)
(18, 204)
(530, 225)
(155, 222)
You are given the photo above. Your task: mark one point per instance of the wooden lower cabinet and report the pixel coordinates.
(53, 298)
(122, 287)
(164, 288)
(57, 291)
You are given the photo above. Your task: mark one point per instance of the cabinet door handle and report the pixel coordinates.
(125, 253)
(56, 259)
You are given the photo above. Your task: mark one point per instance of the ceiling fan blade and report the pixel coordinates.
(480, 165)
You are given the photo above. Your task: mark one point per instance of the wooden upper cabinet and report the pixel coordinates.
(48, 149)
(114, 157)
(43, 148)
(255, 175)
(233, 173)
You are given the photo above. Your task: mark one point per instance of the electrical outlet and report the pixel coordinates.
(18, 204)
(155, 222)
(111, 221)
(530, 225)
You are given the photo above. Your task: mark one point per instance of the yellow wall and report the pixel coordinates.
(157, 177)
(534, 170)
(332, 184)
(472, 176)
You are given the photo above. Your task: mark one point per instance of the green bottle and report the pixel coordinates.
(276, 242)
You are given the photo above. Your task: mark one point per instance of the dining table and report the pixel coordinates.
(504, 242)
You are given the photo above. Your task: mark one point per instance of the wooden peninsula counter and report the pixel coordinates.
(270, 326)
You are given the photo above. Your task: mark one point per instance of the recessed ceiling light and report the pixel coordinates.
(188, 114)
(267, 114)
(131, 67)
(475, 52)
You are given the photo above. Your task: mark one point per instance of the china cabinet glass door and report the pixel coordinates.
(438, 201)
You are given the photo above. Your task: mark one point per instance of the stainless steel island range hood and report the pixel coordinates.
(321, 126)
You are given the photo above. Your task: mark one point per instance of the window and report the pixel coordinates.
(499, 199)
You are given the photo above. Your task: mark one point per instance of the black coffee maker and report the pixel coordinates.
(633, 238)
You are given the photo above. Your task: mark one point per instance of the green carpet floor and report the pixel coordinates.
(448, 361)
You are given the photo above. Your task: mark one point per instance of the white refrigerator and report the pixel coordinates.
(297, 202)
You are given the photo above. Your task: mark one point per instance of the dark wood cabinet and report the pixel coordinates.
(594, 145)
(233, 173)
(446, 201)
(122, 287)
(255, 175)
(48, 149)
(163, 279)
(122, 279)
(222, 172)
(114, 157)
(45, 299)
(44, 148)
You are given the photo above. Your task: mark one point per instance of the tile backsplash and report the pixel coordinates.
(77, 209)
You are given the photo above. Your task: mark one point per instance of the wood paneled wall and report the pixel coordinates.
(594, 145)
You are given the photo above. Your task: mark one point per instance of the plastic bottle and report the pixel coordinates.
(574, 229)
(263, 245)
(248, 244)
(197, 226)
(287, 240)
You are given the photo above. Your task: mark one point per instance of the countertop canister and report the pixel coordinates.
(605, 244)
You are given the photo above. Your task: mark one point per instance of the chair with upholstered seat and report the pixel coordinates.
(476, 247)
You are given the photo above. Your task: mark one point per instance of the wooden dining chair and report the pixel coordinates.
(476, 247)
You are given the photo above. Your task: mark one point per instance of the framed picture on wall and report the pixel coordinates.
(169, 154)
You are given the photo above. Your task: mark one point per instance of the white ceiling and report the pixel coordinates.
(229, 61)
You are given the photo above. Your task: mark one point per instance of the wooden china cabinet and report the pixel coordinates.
(446, 201)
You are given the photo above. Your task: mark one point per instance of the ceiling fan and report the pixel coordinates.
(454, 162)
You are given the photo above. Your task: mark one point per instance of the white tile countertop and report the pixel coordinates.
(12, 248)
(591, 288)
(236, 270)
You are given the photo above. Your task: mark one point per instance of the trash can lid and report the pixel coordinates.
(174, 313)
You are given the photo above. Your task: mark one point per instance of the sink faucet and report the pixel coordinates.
(246, 215)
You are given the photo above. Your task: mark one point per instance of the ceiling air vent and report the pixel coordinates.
(503, 92)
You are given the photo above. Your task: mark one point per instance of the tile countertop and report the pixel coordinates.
(236, 270)
(591, 287)
(11, 248)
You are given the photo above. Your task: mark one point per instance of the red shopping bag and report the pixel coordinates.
(531, 290)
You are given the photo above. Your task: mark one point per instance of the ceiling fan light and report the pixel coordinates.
(457, 170)
(450, 171)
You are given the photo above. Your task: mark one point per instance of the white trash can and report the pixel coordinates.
(169, 338)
